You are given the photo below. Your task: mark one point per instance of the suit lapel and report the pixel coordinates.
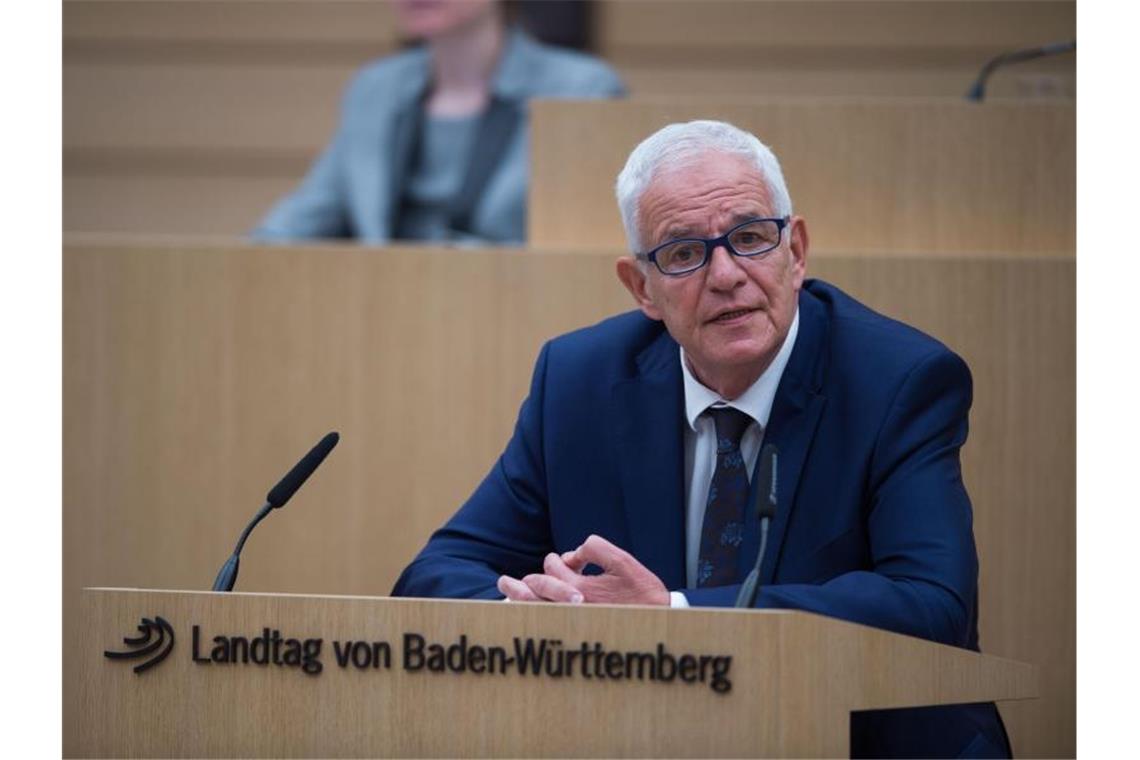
(399, 143)
(497, 127)
(406, 130)
(791, 427)
(647, 415)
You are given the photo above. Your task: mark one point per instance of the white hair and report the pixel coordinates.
(671, 146)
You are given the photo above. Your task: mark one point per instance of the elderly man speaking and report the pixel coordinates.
(627, 477)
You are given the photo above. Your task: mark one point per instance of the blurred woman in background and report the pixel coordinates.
(433, 143)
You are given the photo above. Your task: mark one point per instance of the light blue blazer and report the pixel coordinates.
(354, 188)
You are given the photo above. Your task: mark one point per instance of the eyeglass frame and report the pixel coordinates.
(711, 244)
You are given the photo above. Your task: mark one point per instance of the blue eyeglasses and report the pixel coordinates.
(749, 239)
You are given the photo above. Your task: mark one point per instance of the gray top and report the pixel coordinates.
(434, 179)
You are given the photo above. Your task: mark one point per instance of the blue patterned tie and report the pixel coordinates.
(723, 528)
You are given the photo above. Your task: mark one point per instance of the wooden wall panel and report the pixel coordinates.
(890, 176)
(195, 375)
(194, 117)
(232, 21)
(255, 109)
(163, 89)
(750, 28)
(263, 108)
(884, 80)
(208, 202)
(763, 48)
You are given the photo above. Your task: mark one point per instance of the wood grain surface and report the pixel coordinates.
(195, 375)
(198, 101)
(786, 682)
(892, 176)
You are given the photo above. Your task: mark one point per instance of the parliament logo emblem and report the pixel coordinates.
(155, 640)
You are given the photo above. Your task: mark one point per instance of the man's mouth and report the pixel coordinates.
(728, 316)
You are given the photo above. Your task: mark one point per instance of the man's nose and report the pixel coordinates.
(725, 270)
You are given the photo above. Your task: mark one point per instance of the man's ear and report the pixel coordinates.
(636, 282)
(799, 244)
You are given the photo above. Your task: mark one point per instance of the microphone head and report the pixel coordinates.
(766, 482)
(295, 478)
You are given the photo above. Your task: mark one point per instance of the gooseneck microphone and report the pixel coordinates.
(765, 510)
(978, 90)
(275, 499)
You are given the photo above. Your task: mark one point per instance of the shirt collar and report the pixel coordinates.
(756, 402)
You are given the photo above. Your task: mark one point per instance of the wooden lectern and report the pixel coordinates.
(205, 674)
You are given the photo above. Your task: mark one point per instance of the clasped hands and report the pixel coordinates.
(624, 580)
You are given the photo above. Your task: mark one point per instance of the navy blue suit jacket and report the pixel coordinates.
(873, 523)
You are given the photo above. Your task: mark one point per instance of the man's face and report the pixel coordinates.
(732, 315)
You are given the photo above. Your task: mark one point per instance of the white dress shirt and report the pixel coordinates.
(700, 443)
